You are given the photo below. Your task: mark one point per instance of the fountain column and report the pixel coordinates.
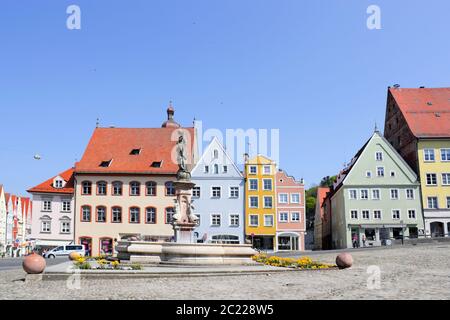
(184, 221)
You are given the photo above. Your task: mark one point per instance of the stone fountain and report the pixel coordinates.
(184, 251)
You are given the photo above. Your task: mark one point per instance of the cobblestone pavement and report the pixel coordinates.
(421, 272)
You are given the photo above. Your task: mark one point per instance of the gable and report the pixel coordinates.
(391, 162)
(215, 154)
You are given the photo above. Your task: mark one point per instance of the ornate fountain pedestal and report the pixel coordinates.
(184, 221)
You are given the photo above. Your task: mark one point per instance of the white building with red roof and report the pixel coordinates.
(124, 184)
(52, 212)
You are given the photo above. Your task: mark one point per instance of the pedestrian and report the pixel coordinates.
(364, 240)
(355, 241)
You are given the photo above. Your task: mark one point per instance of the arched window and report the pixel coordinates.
(117, 188)
(101, 214)
(135, 215)
(170, 189)
(86, 188)
(216, 169)
(216, 154)
(135, 188)
(170, 211)
(116, 215)
(102, 187)
(150, 215)
(86, 214)
(150, 188)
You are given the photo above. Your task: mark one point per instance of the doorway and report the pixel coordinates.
(87, 243)
(437, 229)
(106, 246)
(288, 243)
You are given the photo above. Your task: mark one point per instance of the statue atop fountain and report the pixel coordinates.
(184, 221)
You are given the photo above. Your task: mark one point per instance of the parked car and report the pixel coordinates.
(65, 251)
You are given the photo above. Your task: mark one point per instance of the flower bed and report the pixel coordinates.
(100, 263)
(301, 263)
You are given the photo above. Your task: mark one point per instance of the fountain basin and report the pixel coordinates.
(185, 254)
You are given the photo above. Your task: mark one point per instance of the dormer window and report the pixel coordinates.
(156, 164)
(59, 184)
(105, 164)
(135, 152)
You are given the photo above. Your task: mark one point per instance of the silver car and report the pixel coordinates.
(62, 251)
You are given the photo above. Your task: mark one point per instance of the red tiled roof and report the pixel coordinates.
(426, 110)
(322, 194)
(14, 201)
(115, 144)
(47, 186)
(7, 197)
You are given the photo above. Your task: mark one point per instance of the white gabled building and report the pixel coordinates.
(218, 197)
(53, 212)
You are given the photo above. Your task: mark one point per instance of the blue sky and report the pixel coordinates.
(308, 67)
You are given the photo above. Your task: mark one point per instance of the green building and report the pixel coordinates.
(376, 198)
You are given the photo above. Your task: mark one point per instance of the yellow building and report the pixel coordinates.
(260, 206)
(418, 125)
(434, 166)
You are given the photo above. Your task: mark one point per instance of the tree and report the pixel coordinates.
(328, 181)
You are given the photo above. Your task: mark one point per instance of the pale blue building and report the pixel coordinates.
(218, 197)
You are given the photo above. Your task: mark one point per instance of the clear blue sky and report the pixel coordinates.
(310, 68)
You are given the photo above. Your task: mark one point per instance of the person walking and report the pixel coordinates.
(355, 241)
(364, 240)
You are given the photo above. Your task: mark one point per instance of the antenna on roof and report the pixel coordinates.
(97, 124)
(376, 127)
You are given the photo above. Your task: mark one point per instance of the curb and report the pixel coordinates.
(93, 275)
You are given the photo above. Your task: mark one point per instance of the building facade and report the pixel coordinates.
(124, 185)
(218, 197)
(376, 199)
(260, 205)
(3, 214)
(290, 209)
(9, 225)
(319, 219)
(53, 212)
(417, 124)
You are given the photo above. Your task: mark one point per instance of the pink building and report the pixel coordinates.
(291, 224)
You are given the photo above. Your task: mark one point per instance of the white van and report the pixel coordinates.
(64, 251)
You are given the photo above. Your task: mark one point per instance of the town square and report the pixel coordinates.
(211, 150)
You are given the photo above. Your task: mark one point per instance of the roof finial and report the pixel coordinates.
(97, 124)
(376, 127)
(170, 121)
